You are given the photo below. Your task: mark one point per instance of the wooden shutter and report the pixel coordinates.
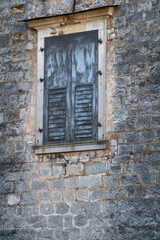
(84, 86)
(57, 84)
(71, 88)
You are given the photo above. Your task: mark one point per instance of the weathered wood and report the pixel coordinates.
(70, 95)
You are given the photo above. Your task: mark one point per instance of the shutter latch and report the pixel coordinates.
(99, 124)
(41, 79)
(40, 130)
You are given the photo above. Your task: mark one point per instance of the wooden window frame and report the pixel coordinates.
(63, 28)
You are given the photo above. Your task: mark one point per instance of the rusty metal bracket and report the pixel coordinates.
(99, 124)
(42, 49)
(100, 41)
(40, 130)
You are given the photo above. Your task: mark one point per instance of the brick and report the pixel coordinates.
(129, 179)
(39, 185)
(95, 168)
(56, 184)
(90, 181)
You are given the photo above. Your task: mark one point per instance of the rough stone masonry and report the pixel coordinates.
(111, 194)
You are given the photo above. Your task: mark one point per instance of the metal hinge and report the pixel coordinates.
(42, 49)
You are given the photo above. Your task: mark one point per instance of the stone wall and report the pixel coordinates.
(111, 194)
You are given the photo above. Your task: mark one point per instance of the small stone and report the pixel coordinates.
(13, 200)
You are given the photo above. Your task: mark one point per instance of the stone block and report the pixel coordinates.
(45, 171)
(129, 179)
(1, 117)
(115, 168)
(56, 184)
(68, 221)
(141, 167)
(141, 191)
(148, 178)
(46, 209)
(155, 191)
(110, 180)
(83, 195)
(138, 148)
(115, 193)
(155, 166)
(61, 208)
(95, 168)
(44, 196)
(130, 192)
(58, 170)
(13, 199)
(90, 181)
(69, 195)
(71, 182)
(80, 220)
(29, 198)
(57, 196)
(124, 149)
(39, 185)
(55, 221)
(98, 194)
(22, 186)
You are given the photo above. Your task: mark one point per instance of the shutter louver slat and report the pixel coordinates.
(83, 118)
(56, 114)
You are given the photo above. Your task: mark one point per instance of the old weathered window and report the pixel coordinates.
(71, 99)
(71, 88)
